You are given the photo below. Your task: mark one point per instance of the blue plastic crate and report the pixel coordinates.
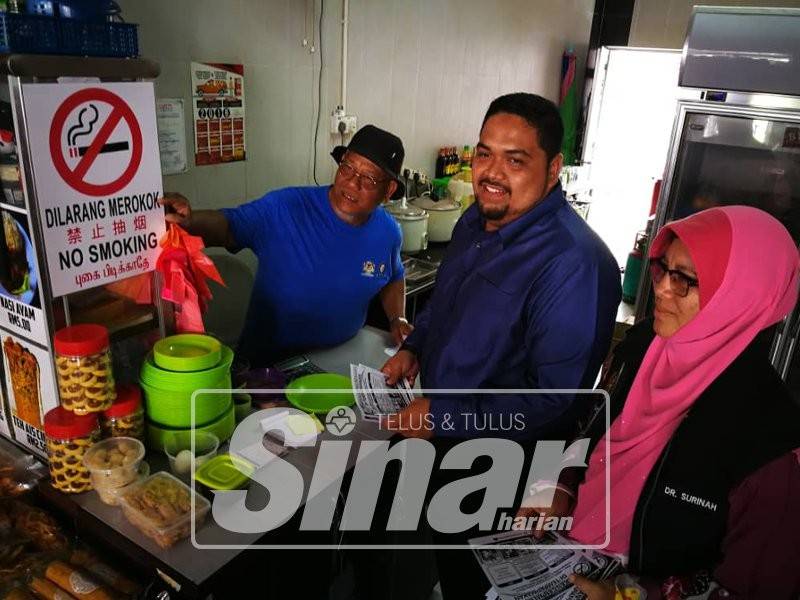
(29, 34)
(84, 38)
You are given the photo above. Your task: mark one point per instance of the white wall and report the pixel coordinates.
(429, 68)
(424, 69)
(663, 23)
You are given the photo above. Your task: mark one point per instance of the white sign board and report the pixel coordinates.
(97, 174)
(171, 135)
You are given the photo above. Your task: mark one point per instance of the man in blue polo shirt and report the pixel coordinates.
(323, 252)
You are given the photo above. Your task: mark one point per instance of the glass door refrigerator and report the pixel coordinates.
(740, 143)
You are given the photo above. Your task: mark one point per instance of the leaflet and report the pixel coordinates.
(530, 572)
(374, 396)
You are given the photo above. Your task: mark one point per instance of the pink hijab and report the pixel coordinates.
(747, 266)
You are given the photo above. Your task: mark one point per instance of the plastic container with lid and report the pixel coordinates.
(83, 366)
(161, 508)
(69, 436)
(125, 417)
(113, 464)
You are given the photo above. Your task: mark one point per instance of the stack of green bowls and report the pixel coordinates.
(177, 367)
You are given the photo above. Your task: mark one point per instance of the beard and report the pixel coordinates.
(495, 213)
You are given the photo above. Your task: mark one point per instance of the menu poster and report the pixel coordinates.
(20, 303)
(30, 384)
(218, 112)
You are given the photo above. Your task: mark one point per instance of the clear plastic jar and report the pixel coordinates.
(83, 366)
(69, 436)
(125, 417)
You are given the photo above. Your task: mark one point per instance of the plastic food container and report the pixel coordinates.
(125, 417)
(161, 508)
(187, 352)
(225, 472)
(113, 463)
(69, 436)
(223, 428)
(83, 366)
(178, 449)
(168, 394)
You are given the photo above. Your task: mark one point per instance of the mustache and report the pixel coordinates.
(486, 181)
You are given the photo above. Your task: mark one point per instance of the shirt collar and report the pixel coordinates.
(508, 233)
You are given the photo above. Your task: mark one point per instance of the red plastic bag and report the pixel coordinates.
(185, 270)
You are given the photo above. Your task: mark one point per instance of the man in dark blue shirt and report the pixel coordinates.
(525, 298)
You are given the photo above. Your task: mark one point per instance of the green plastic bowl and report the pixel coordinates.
(304, 392)
(178, 381)
(187, 352)
(222, 428)
(174, 408)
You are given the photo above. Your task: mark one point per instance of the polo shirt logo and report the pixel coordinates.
(369, 268)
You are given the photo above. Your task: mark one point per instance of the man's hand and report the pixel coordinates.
(561, 507)
(595, 590)
(400, 329)
(402, 364)
(411, 422)
(179, 211)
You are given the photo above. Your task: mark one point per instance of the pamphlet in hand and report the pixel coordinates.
(374, 397)
(536, 573)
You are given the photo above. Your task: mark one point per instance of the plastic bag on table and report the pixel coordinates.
(19, 472)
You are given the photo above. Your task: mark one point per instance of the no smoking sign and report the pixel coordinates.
(95, 142)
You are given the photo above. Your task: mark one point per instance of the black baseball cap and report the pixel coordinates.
(380, 147)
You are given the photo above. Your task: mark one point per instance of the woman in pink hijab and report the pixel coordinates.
(702, 468)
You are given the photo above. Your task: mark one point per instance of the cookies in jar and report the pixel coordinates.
(83, 368)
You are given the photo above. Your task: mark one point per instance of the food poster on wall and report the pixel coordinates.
(20, 282)
(218, 112)
(97, 172)
(30, 384)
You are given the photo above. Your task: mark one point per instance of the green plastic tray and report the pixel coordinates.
(187, 352)
(220, 473)
(298, 392)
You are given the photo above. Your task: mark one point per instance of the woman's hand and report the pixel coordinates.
(532, 507)
(595, 590)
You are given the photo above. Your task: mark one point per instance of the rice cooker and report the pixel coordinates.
(443, 215)
(414, 224)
